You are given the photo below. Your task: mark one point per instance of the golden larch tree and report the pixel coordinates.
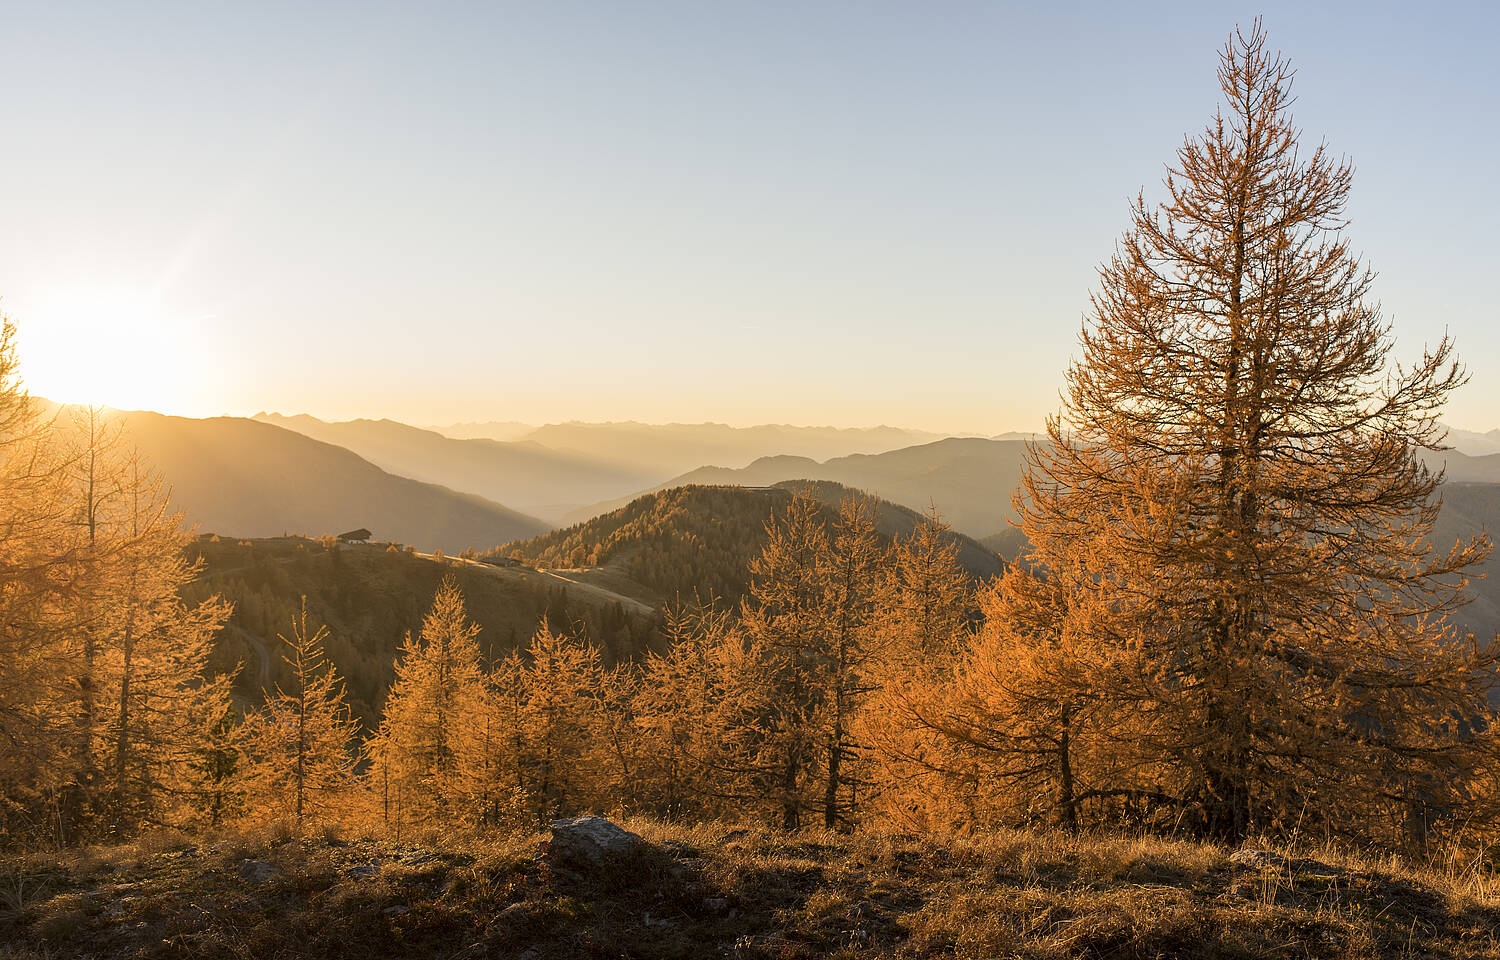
(786, 614)
(300, 746)
(700, 710)
(1234, 495)
(928, 608)
(423, 758)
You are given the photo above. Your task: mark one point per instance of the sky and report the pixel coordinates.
(803, 212)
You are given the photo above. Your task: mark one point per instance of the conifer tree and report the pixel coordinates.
(856, 592)
(1234, 496)
(933, 595)
(159, 705)
(104, 699)
(700, 710)
(562, 690)
(40, 562)
(300, 745)
(914, 776)
(426, 753)
(787, 615)
(1018, 729)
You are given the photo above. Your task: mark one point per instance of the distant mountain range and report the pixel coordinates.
(665, 450)
(523, 474)
(504, 430)
(1474, 444)
(968, 479)
(242, 478)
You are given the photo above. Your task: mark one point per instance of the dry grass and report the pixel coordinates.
(717, 890)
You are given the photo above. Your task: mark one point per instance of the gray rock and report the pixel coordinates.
(1259, 860)
(590, 841)
(257, 871)
(363, 870)
(1244, 891)
(1265, 860)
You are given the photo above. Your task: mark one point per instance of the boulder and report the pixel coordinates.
(590, 841)
(1265, 860)
(257, 871)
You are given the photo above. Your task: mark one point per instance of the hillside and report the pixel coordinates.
(1470, 509)
(969, 479)
(536, 479)
(722, 891)
(242, 478)
(894, 520)
(700, 539)
(1462, 468)
(369, 597)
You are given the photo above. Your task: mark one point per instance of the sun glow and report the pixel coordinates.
(111, 347)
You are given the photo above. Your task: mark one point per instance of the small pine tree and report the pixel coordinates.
(699, 712)
(787, 616)
(857, 590)
(300, 744)
(429, 751)
(913, 777)
(561, 688)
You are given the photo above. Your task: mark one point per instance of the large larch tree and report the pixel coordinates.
(1234, 497)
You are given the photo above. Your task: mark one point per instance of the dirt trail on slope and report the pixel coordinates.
(579, 589)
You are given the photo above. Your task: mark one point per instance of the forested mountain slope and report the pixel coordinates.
(700, 539)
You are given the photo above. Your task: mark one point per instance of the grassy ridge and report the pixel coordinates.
(714, 891)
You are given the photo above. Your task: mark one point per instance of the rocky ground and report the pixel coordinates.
(722, 891)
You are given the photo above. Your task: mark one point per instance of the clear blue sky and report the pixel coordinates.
(846, 213)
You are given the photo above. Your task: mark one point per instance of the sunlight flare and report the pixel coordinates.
(113, 347)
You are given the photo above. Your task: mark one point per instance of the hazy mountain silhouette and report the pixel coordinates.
(243, 478)
(1468, 509)
(1473, 443)
(969, 479)
(536, 479)
(665, 450)
(503, 430)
